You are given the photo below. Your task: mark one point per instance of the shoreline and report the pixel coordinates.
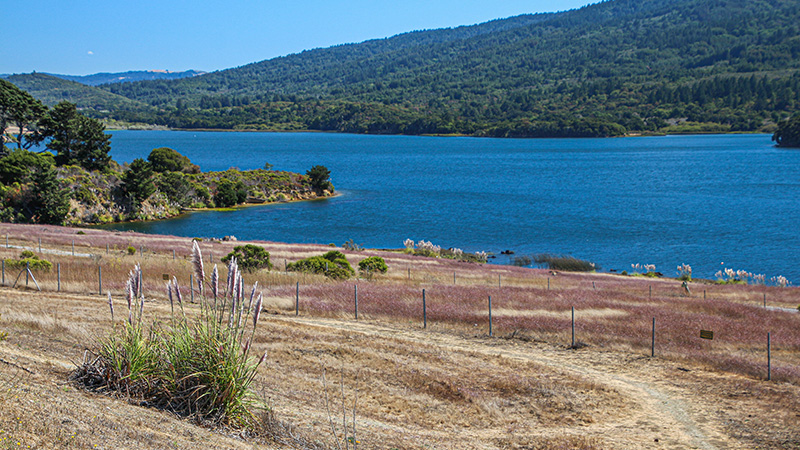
(200, 210)
(453, 135)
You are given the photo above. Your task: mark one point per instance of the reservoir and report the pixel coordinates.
(710, 201)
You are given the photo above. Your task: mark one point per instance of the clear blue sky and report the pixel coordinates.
(80, 37)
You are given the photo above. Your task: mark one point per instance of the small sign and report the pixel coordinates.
(165, 277)
(705, 334)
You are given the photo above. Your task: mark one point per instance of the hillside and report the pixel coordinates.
(620, 66)
(449, 385)
(50, 90)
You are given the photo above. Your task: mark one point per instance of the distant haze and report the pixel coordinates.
(90, 36)
(122, 77)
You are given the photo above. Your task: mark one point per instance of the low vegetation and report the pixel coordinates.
(431, 250)
(372, 265)
(565, 263)
(332, 264)
(30, 260)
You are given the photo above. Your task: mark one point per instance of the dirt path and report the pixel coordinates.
(665, 416)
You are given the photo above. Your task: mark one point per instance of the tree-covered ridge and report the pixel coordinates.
(620, 66)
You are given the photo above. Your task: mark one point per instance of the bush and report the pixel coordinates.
(197, 366)
(372, 264)
(333, 264)
(29, 259)
(565, 263)
(131, 250)
(249, 257)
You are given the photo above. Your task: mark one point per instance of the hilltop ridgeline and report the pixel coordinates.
(608, 69)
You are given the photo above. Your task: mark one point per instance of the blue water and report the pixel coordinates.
(709, 201)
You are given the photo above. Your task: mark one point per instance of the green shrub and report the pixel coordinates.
(372, 264)
(249, 257)
(565, 263)
(332, 264)
(29, 259)
(131, 250)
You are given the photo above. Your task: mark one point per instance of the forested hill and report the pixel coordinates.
(127, 77)
(620, 66)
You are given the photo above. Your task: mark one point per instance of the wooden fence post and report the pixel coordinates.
(73, 247)
(653, 341)
(769, 357)
(573, 327)
(40, 245)
(191, 286)
(424, 311)
(58, 268)
(27, 271)
(356, 301)
(490, 316)
(100, 279)
(297, 300)
(4, 272)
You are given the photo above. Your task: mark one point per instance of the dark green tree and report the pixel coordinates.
(319, 178)
(21, 109)
(175, 186)
(75, 138)
(249, 257)
(165, 159)
(50, 202)
(788, 133)
(19, 164)
(137, 182)
(230, 193)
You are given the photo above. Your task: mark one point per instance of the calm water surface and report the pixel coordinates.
(709, 201)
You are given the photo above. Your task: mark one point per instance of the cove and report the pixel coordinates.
(711, 201)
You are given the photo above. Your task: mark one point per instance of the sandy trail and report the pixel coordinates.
(664, 416)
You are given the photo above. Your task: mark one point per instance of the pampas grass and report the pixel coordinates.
(193, 366)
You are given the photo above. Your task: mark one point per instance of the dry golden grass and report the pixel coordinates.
(448, 387)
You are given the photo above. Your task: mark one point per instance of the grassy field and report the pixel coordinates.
(450, 385)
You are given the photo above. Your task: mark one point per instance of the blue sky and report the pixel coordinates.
(81, 37)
